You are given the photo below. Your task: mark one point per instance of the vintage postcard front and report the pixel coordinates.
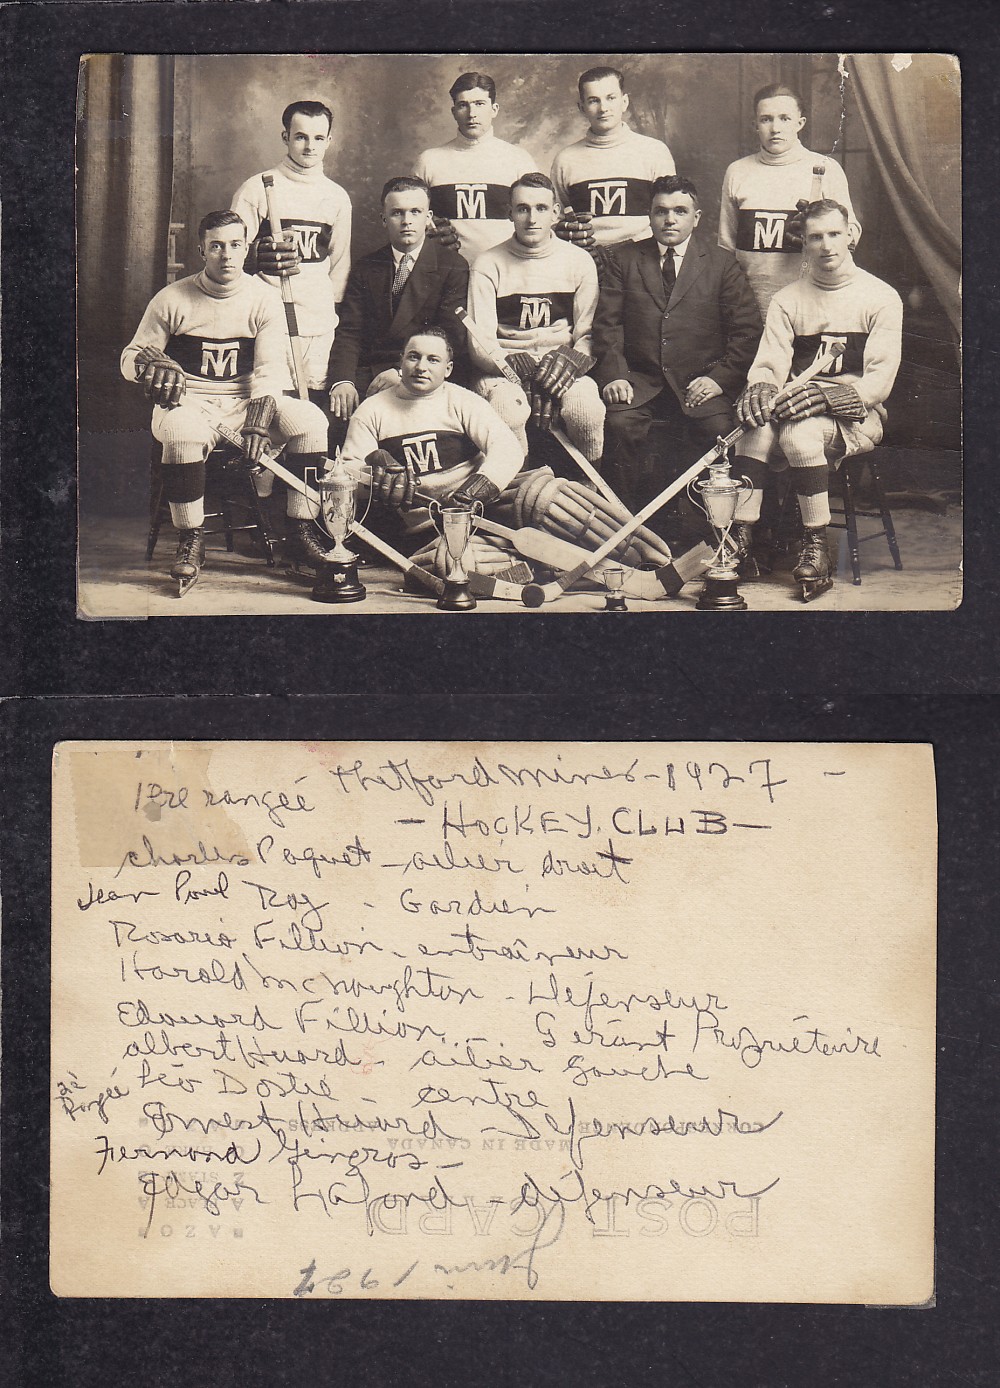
(563, 1021)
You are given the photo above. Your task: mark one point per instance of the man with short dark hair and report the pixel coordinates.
(211, 350)
(410, 283)
(840, 412)
(763, 194)
(315, 254)
(675, 330)
(534, 297)
(603, 181)
(430, 435)
(470, 177)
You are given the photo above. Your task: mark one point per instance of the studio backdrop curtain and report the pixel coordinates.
(124, 174)
(910, 106)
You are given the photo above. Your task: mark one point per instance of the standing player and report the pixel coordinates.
(604, 181)
(470, 177)
(763, 195)
(534, 296)
(211, 350)
(316, 219)
(839, 413)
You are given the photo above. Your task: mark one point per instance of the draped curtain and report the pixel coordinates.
(125, 166)
(910, 107)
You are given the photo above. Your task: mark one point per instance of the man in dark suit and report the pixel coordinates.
(675, 332)
(411, 283)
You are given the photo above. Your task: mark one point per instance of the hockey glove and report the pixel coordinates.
(256, 426)
(753, 408)
(560, 369)
(277, 258)
(473, 489)
(575, 227)
(794, 234)
(393, 483)
(524, 365)
(444, 233)
(162, 378)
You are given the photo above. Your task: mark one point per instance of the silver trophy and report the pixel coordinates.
(719, 498)
(614, 582)
(337, 575)
(456, 525)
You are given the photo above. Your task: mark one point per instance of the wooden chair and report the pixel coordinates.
(229, 495)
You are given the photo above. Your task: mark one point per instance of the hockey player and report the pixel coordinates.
(428, 434)
(535, 296)
(763, 195)
(469, 177)
(210, 350)
(603, 182)
(315, 254)
(839, 413)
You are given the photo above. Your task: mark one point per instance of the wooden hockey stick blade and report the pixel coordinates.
(489, 347)
(301, 382)
(535, 594)
(427, 580)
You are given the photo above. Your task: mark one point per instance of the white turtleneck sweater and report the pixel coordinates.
(470, 185)
(850, 307)
(532, 299)
(316, 213)
(611, 176)
(759, 194)
(229, 339)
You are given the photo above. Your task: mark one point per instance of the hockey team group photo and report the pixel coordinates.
(580, 333)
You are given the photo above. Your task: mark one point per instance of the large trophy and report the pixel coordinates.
(337, 575)
(456, 525)
(720, 495)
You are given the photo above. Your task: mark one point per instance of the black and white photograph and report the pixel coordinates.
(380, 333)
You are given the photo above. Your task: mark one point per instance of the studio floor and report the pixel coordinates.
(115, 580)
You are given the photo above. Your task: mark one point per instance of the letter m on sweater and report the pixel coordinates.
(536, 311)
(219, 358)
(769, 230)
(420, 452)
(470, 201)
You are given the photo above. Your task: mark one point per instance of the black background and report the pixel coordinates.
(786, 676)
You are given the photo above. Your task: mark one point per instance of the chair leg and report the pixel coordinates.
(851, 519)
(226, 511)
(262, 526)
(886, 514)
(155, 506)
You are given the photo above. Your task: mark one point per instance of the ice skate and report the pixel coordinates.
(812, 571)
(190, 556)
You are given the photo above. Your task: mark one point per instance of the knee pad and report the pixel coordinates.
(186, 434)
(301, 424)
(804, 441)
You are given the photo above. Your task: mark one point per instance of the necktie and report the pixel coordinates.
(402, 275)
(668, 272)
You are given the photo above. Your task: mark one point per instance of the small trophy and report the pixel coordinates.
(720, 495)
(456, 524)
(337, 573)
(614, 582)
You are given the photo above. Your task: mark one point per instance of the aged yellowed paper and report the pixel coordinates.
(595, 1021)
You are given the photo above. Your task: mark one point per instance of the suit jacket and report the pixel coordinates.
(370, 337)
(710, 327)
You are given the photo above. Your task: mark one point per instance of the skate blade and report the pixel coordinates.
(184, 585)
(816, 590)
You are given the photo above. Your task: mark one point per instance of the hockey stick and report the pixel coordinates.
(588, 469)
(489, 347)
(535, 594)
(559, 554)
(291, 322)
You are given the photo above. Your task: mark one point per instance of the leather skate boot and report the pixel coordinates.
(190, 556)
(813, 571)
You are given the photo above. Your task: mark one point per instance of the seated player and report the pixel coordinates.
(839, 413)
(534, 297)
(429, 436)
(210, 350)
(764, 193)
(603, 182)
(469, 178)
(675, 330)
(315, 254)
(409, 283)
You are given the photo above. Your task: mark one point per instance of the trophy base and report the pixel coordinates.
(456, 596)
(614, 604)
(337, 581)
(720, 594)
